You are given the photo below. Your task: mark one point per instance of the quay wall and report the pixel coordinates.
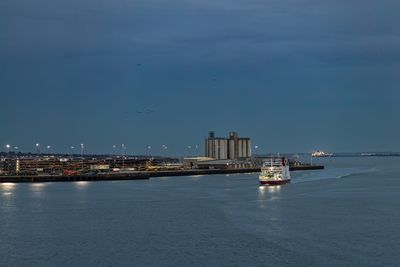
(138, 175)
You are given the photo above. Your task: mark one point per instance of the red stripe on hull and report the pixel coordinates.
(278, 182)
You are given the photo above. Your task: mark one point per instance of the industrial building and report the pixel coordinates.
(227, 148)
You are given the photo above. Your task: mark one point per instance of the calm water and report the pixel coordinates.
(346, 215)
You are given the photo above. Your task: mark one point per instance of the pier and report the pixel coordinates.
(142, 175)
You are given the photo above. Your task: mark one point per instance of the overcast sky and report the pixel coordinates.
(294, 75)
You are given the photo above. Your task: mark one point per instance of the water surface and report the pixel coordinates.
(345, 215)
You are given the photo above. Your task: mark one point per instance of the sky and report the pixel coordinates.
(294, 75)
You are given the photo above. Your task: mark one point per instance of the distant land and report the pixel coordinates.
(338, 154)
(341, 154)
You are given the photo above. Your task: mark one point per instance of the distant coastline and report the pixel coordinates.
(366, 154)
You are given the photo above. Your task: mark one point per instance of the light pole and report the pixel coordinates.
(38, 149)
(148, 150)
(8, 158)
(114, 154)
(72, 152)
(164, 147)
(82, 150)
(256, 150)
(48, 156)
(196, 147)
(123, 156)
(38, 155)
(190, 150)
(114, 149)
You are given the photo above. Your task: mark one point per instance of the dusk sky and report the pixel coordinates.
(294, 75)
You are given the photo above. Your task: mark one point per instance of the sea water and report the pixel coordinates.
(345, 215)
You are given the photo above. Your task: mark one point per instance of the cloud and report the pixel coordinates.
(338, 55)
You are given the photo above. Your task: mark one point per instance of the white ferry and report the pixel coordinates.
(275, 171)
(319, 153)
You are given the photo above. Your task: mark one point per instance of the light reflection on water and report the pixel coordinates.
(263, 189)
(268, 193)
(274, 189)
(81, 184)
(8, 188)
(38, 186)
(37, 189)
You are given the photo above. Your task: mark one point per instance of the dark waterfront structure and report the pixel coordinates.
(233, 147)
(53, 168)
(28, 165)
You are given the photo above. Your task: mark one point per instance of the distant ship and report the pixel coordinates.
(275, 171)
(320, 153)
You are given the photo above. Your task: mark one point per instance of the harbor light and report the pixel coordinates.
(164, 147)
(123, 156)
(8, 157)
(38, 155)
(72, 151)
(82, 150)
(37, 148)
(148, 150)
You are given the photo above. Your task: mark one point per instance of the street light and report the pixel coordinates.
(148, 150)
(82, 148)
(48, 155)
(16, 148)
(256, 150)
(197, 150)
(72, 152)
(164, 147)
(114, 154)
(190, 150)
(8, 157)
(123, 156)
(38, 155)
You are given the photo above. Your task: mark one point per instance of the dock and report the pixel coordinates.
(74, 178)
(306, 167)
(143, 175)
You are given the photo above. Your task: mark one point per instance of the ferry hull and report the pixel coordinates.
(275, 182)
